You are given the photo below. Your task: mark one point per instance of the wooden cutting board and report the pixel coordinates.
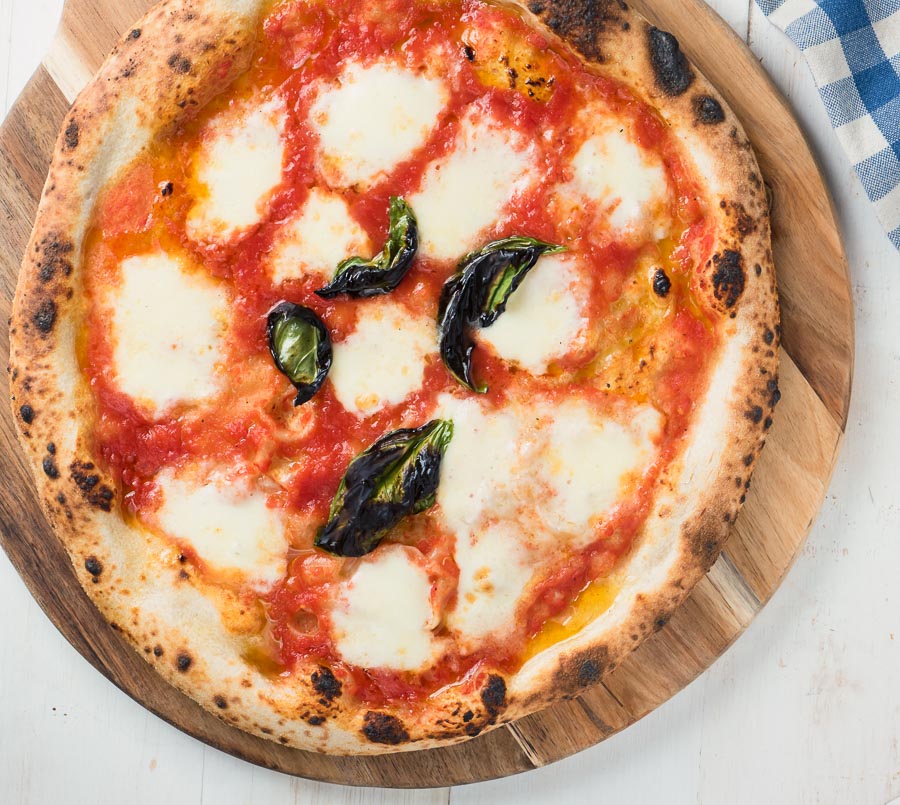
(788, 487)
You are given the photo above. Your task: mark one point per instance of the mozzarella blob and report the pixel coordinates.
(588, 460)
(494, 570)
(466, 192)
(373, 119)
(383, 360)
(230, 529)
(313, 242)
(626, 181)
(237, 168)
(383, 616)
(544, 317)
(168, 328)
(573, 460)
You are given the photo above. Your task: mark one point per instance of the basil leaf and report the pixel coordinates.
(300, 346)
(395, 477)
(477, 294)
(358, 277)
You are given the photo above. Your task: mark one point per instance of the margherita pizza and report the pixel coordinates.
(391, 370)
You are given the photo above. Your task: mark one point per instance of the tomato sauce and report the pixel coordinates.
(146, 208)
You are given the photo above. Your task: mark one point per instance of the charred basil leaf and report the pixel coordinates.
(359, 277)
(300, 346)
(397, 476)
(477, 294)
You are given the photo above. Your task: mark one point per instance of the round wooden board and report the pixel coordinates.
(788, 488)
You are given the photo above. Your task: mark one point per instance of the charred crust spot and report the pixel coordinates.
(670, 66)
(179, 64)
(61, 499)
(220, 702)
(27, 414)
(326, 684)
(494, 695)
(93, 566)
(754, 414)
(134, 33)
(468, 716)
(50, 468)
(626, 26)
(707, 548)
(728, 277)
(708, 110)
(315, 721)
(472, 730)
(45, 316)
(183, 661)
(581, 23)
(382, 728)
(661, 283)
(51, 448)
(469, 53)
(88, 483)
(661, 621)
(767, 423)
(758, 269)
(774, 392)
(157, 650)
(54, 251)
(71, 136)
(165, 189)
(589, 672)
(768, 336)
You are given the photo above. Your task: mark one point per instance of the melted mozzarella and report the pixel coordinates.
(375, 118)
(383, 360)
(483, 464)
(588, 460)
(168, 328)
(237, 168)
(613, 170)
(383, 616)
(317, 239)
(494, 569)
(229, 529)
(466, 192)
(543, 319)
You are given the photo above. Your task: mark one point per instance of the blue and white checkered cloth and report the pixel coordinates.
(853, 49)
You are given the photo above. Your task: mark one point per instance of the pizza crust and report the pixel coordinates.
(178, 56)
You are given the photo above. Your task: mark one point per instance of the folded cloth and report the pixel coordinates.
(853, 49)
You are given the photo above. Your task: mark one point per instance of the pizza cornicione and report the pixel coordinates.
(391, 370)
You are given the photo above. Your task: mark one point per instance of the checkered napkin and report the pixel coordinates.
(853, 49)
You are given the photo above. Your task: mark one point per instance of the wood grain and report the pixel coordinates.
(789, 485)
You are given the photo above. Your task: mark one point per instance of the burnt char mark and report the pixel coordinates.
(158, 650)
(469, 53)
(183, 662)
(774, 393)
(93, 566)
(670, 66)
(754, 414)
(315, 721)
(179, 64)
(581, 22)
(326, 684)
(95, 493)
(661, 283)
(706, 548)
(71, 136)
(728, 277)
(54, 258)
(134, 33)
(220, 702)
(589, 672)
(708, 110)
(27, 414)
(493, 696)
(381, 728)
(45, 316)
(50, 468)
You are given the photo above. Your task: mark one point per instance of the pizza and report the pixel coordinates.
(390, 371)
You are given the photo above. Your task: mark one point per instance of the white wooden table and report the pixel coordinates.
(805, 708)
